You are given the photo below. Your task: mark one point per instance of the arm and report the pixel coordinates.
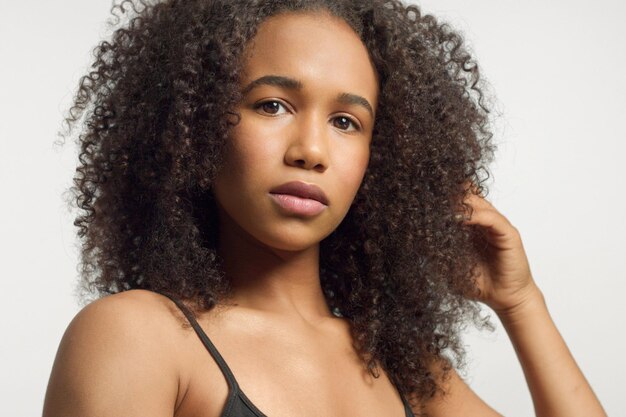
(109, 364)
(557, 386)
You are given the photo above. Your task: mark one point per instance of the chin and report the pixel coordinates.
(293, 241)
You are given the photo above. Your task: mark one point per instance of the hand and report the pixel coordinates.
(504, 278)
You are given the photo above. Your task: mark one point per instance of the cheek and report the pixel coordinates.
(349, 171)
(249, 156)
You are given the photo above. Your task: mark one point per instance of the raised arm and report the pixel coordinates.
(111, 362)
(557, 385)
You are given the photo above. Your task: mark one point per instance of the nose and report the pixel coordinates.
(308, 147)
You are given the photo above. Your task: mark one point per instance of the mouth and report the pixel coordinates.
(296, 197)
(292, 204)
(302, 191)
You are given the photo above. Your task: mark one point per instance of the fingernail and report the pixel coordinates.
(461, 216)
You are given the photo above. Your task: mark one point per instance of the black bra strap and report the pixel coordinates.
(232, 382)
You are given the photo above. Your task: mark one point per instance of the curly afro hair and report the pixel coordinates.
(400, 267)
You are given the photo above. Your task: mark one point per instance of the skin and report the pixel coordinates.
(126, 354)
(272, 257)
(556, 383)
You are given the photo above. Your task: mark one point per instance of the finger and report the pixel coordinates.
(492, 220)
(474, 202)
(472, 187)
(478, 201)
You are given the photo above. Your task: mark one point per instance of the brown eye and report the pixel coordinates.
(270, 106)
(345, 121)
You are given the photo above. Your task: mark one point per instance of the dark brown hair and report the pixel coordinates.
(399, 266)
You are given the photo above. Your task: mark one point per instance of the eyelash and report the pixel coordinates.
(356, 125)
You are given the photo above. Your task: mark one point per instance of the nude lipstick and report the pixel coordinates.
(297, 197)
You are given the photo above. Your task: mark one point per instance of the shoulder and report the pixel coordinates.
(132, 318)
(127, 308)
(117, 357)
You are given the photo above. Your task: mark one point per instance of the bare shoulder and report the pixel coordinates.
(116, 357)
(459, 399)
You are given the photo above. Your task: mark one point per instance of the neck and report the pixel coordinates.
(272, 280)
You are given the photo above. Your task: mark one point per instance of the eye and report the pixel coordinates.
(269, 105)
(272, 106)
(346, 121)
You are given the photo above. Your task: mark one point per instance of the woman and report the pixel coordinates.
(298, 180)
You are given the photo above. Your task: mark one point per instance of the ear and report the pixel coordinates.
(233, 118)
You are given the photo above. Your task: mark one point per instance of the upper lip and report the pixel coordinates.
(301, 189)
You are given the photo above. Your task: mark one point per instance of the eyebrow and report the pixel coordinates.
(293, 84)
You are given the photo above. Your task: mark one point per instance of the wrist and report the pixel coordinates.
(532, 302)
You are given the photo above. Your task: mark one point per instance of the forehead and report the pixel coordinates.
(321, 50)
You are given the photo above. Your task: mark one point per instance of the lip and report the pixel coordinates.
(302, 190)
(298, 205)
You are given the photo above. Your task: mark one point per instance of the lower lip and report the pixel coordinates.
(298, 205)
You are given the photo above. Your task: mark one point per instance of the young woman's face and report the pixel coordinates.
(314, 126)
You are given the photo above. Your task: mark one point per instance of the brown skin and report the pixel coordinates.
(556, 383)
(272, 257)
(396, 267)
(277, 304)
(153, 367)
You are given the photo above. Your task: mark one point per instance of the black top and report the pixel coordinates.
(238, 404)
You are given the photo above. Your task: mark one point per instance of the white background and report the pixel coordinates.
(556, 69)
